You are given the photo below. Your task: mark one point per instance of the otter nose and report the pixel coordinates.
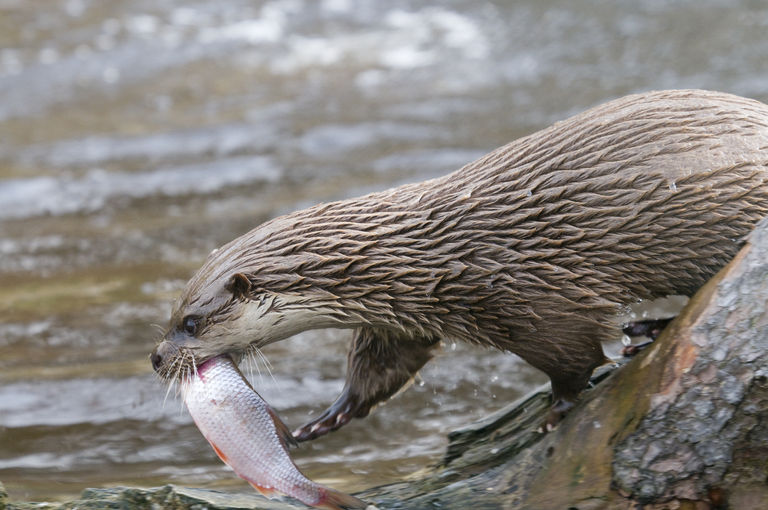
(162, 355)
(157, 360)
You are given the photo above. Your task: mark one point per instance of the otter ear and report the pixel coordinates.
(239, 285)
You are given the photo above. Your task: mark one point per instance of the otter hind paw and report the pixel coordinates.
(555, 415)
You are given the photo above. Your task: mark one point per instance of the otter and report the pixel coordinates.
(535, 249)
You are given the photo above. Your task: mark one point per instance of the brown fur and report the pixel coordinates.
(534, 248)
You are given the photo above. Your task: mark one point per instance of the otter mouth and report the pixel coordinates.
(174, 363)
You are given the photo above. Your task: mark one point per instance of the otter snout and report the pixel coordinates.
(163, 355)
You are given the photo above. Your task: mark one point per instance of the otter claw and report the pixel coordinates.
(556, 413)
(629, 351)
(321, 427)
(336, 416)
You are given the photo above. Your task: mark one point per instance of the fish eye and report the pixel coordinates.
(190, 324)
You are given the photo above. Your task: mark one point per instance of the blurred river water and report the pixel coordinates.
(136, 136)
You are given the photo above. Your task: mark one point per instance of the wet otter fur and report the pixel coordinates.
(533, 249)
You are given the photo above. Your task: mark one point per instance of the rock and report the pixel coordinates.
(168, 497)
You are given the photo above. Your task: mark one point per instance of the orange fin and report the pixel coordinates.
(335, 500)
(220, 454)
(283, 432)
(263, 490)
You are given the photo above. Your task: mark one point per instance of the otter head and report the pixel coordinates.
(222, 312)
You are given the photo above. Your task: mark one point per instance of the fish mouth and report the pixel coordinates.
(203, 367)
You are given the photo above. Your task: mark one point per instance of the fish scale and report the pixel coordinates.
(249, 437)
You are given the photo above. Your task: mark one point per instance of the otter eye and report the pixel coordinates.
(190, 324)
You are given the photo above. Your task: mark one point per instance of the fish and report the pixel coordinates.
(249, 436)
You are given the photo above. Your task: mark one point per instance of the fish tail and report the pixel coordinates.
(335, 500)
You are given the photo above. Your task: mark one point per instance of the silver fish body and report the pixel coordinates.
(248, 436)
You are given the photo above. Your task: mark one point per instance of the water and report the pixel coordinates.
(137, 136)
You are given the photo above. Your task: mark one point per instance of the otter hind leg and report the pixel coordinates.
(380, 362)
(569, 365)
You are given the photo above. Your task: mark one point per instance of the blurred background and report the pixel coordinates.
(136, 136)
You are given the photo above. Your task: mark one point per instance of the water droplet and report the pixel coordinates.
(626, 311)
(529, 193)
(626, 341)
(672, 186)
(494, 378)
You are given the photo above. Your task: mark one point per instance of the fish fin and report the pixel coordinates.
(220, 454)
(335, 500)
(264, 491)
(283, 432)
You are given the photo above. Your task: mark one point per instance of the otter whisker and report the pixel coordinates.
(267, 365)
(163, 373)
(184, 379)
(179, 363)
(251, 362)
(171, 381)
(175, 381)
(161, 330)
(171, 384)
(263, 356)
(186, 373)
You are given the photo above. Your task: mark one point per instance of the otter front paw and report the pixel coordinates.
(344, 409)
